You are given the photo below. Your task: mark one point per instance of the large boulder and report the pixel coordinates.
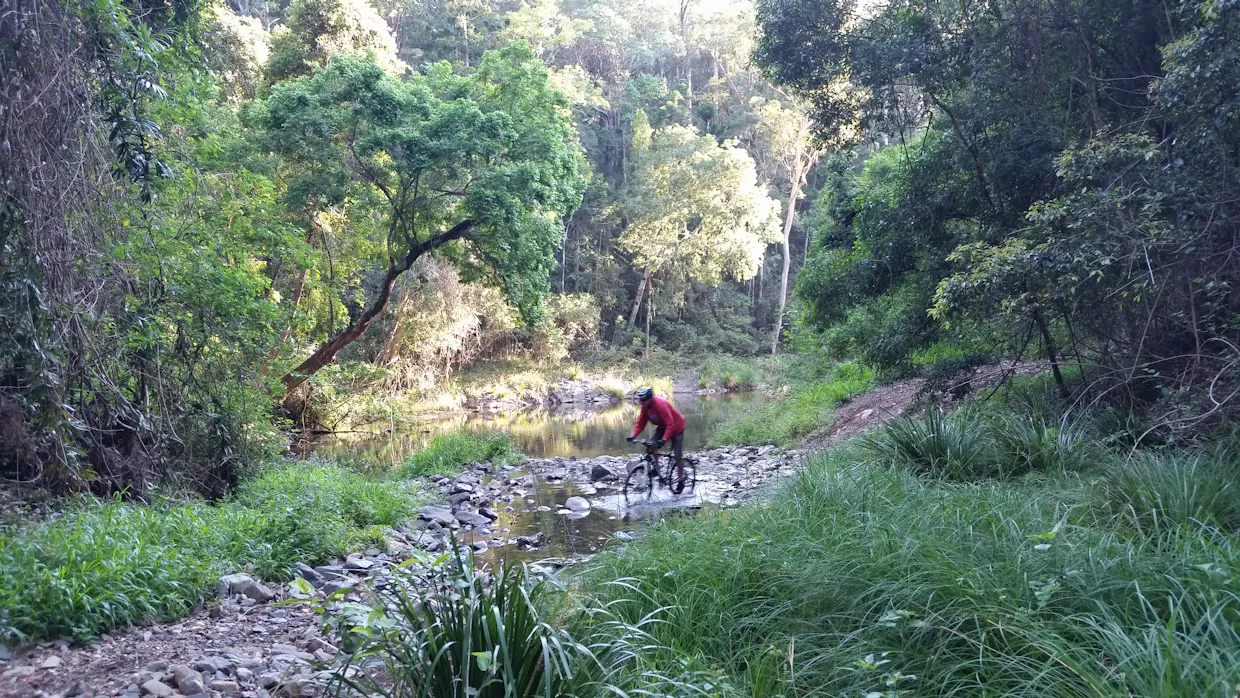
(602, 472)
(233, 584)
(188, 681)
(437, 514)
(577, 503)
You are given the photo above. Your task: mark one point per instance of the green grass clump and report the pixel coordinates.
(857, 578)
(968, 445)
(100, 565)
(1177, 488)
(806, 409)
(731, 373)
(446, 454)
(447, 629)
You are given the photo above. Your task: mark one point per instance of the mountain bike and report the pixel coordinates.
(643, 474)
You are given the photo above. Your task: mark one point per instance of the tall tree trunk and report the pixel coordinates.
(327, 351)
(796, 178)
(388, 351)
(1051, 352)
(649, 312)
(637, 302)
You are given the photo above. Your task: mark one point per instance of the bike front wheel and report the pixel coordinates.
(639, 482)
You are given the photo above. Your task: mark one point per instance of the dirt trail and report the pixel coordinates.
(879, 406)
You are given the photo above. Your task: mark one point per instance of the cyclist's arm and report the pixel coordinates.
(642, 420)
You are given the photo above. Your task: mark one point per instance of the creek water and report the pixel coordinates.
(571, 434)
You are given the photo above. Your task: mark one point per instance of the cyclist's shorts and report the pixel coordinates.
(678, 442)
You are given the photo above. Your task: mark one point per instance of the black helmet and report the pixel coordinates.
(645, 393)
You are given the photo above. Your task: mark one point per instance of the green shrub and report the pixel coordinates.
(965, 445)
(106, 564)
(1027, 442)
(446, 454)
(855, 579)
(453, 631)
(935, 444)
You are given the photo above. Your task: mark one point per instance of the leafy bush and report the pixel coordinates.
(446, 454)
(102, 565)
(856, 579)
(806, 409)
(731, 373)
(938, 445)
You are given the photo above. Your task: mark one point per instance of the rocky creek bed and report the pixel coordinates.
(242, 644)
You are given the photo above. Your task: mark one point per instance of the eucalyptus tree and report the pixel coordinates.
(696, 204)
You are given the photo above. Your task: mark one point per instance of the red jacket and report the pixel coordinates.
(660, 413)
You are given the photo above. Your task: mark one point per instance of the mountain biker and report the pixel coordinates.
(669, 426)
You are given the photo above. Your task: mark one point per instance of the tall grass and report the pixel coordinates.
(446, 454)
(806, 409)
(450, 631)
(858, 578)
(968, 445)
(102, 565)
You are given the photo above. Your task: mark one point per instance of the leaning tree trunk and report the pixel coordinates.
(327, 351)
(637, 302)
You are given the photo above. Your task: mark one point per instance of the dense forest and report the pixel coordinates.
(211, 211)
(220, 207)
(972, 263)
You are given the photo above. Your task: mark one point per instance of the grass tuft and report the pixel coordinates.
(446, 454)
(101, 565)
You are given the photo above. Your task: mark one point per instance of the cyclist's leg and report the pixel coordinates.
(678, 449)
(658, 436)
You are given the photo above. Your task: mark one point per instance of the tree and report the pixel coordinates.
(319, 29)
(785, 135)
(696, 204)
(482, 168)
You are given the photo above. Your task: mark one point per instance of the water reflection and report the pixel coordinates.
(540, 433)
(546, 433)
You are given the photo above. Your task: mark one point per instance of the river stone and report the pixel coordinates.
(155, 667)
(268, 680)
(188, 681)
(309, 574)
(225, 686)
(360, 564)
(437, 514)
(157, 689)
(487, 512)
(472, 519)
(577, 503)
(5, 654)
(259, 593)
(232, 584)
(602, 472)
(51, 663)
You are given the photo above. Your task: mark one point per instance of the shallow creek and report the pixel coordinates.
(565, 445)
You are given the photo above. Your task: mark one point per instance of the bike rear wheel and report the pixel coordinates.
(674, 481)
